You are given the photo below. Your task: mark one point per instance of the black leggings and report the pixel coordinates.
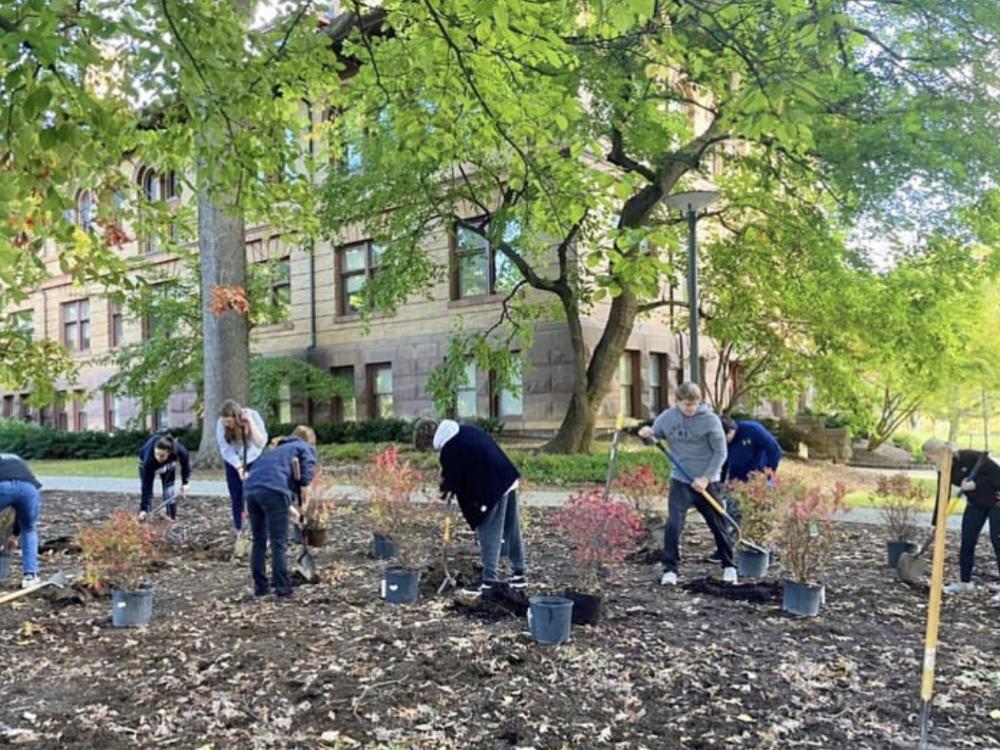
(973, 520)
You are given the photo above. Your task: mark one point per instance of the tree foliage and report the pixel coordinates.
(570, 122)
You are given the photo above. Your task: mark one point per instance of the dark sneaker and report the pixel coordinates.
(518, 581)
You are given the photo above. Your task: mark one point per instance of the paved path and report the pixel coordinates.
(537, 498)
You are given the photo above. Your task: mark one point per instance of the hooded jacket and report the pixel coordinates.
(697, 441)
(476, 471)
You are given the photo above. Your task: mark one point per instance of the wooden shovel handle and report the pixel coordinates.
(23, 592)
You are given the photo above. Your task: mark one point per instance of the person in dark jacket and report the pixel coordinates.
(750, 448)
(160, 455)
(484, 481)
(19, 490)
(270, 490)
(982, 503)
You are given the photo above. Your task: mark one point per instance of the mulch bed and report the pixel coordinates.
(336, 667)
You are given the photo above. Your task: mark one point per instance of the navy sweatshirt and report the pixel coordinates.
(272, 472)
(752, 449)
(476, 471)
(149, 467)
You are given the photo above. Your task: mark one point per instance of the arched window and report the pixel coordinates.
(84, 214)
(156, 186)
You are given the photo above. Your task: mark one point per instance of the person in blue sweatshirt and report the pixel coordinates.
(695, 436)
(484, 481)
(270, 490)
(160, 456)
(751, 448)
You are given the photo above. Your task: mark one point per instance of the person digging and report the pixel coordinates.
(695, 435)
(978, 476)
(270, 490)
(484, 481)
(160, 456)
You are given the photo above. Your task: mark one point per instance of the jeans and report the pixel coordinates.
(235, 485)
(27, 505)
(500, 527)
(268, 513)
(973, 520)
(681, 498)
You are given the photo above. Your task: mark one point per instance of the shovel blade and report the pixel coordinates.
(911, 569)
(306, 566)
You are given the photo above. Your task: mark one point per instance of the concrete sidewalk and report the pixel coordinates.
(535, 498)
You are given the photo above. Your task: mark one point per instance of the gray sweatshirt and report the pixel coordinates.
(697, 441)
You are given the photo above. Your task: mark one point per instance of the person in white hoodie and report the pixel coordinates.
(695, 436)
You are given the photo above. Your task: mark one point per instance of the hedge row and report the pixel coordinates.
(34, 442)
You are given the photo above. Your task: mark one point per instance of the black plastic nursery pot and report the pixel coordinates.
(5, 562)
(802, 599)
(400, 585)
(315, 537)
(550, 619)
(383, 547)
(752, 563)
(587, 608)
(131, 608)
(896, 549)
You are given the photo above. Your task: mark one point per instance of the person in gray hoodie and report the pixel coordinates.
(695, 436)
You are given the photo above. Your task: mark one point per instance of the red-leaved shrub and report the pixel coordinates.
(602, 531)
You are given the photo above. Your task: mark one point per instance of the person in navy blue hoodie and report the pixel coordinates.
(484, 481)
(270, 490)
(751, 448)
(160, 455)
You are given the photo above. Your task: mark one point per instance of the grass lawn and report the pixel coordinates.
(123, 467)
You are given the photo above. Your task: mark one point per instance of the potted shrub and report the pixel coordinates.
(318, 508)
(758, 499)
(900, 500)
(645, 492)
(117, 555)
(602, 532)
(391, 484)
(805, 534)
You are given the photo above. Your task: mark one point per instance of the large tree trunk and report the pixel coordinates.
(592, 380)
(221, 243)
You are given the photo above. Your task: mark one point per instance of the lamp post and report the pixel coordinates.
(690, 204)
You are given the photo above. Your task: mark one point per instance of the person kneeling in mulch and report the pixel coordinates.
(270, 490)
(480, 475)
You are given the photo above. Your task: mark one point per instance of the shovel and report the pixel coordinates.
(304, 563)
(716, 505)
(612, 459)
(241, 545)
(59, 580)
(911, 567)
(449, 580)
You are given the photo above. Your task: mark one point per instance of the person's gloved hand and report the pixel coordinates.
(645, 433)
(184, 490)
(968, 485)
(142, 515)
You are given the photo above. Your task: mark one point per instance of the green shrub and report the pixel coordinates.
(910, 443)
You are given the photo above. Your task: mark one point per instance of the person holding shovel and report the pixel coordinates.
(270, 491)
(695, 435)
(19, 490)
(484, 481)
(160, 455)
(978, 477)
(241, 436)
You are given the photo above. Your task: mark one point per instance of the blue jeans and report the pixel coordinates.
(682, 497)
(269, 522)
(235, 485)
(501, 528)
(27, 505)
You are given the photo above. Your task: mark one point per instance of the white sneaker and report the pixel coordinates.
(668, 579)
(996, 597)
(29, 580)
(959, 587)
(729, 575)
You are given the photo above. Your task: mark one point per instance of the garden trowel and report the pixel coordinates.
(59, 580)
(304, 563)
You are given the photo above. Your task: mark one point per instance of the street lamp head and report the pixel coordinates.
(694, 200)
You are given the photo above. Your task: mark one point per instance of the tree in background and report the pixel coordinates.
(561, 127)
